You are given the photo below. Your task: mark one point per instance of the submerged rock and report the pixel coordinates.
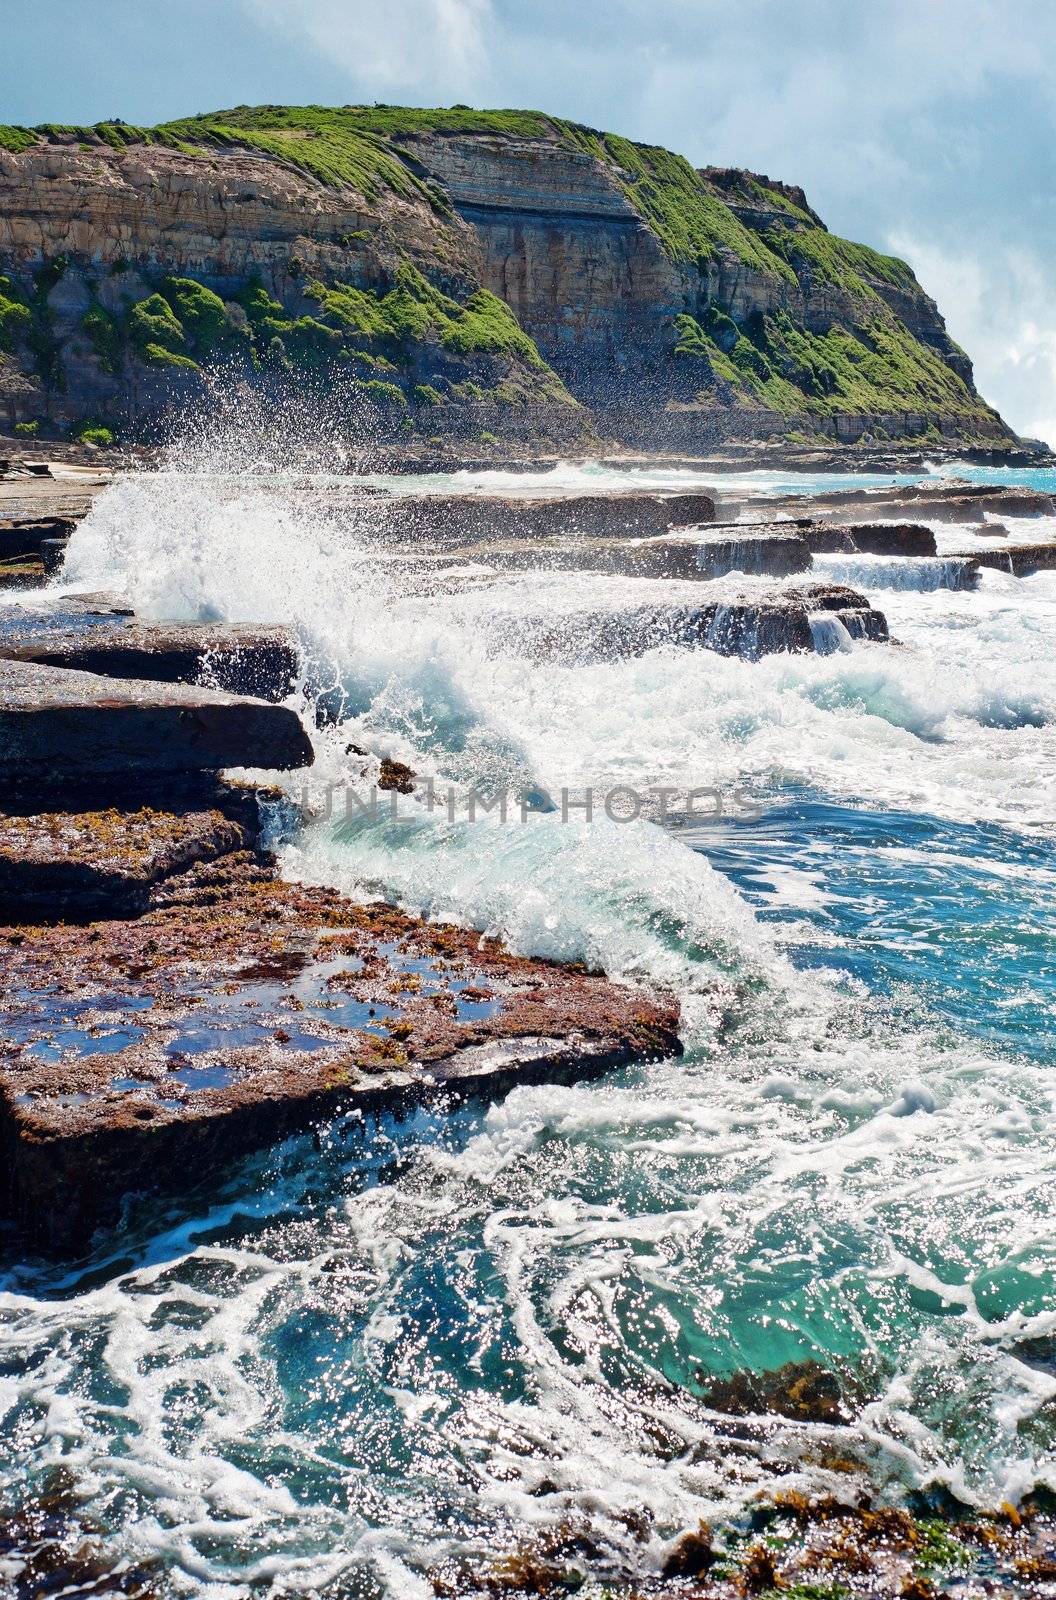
(804, 1391)
(61, 724)
(48, 1546)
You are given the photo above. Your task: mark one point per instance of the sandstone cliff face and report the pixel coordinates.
(677, 306)
(562, 245)
(224, 217)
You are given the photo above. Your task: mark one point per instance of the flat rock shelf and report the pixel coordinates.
(53, 720)
(241, 1009)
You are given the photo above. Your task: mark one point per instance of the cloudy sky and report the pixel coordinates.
(926, 127)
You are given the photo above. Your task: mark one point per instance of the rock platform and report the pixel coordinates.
(239, 1008)
(55, 723)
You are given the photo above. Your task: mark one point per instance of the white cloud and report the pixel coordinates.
(403, 46)
(1001, 306)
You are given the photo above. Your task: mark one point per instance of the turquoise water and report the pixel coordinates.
(363, 1356)
(949, 921)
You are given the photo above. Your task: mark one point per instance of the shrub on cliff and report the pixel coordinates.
(16, 318)
(384, 394)
(103, 332)
(153, 326)
(204, 318)
(93, 432)
(426, 395)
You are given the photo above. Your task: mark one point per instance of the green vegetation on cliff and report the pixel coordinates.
(16, 318)
(408, 334)
(878, 368)
(777, 313)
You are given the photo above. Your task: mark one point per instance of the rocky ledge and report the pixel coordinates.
(734, 621)
(460, 519)
(239, 1008)
(933, 500)
(54, 721)
(101, 634)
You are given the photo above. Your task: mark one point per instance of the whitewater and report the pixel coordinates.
(365, 1353)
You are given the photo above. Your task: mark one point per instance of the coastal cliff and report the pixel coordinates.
(458, 272)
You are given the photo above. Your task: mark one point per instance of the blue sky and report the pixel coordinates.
(927, 127)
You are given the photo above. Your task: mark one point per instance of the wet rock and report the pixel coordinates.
(732, 623)
(52, 555)
(945, 500)
(396, 775)
(993, 498)
(59, 723)
(865, 623)
(1019, 559)
(26, 535)
(260, 661)
(22, 572)
(135, 1053)
(463, 518)
(827, 539)
(776, 552)
(891, 538)
(65, 865)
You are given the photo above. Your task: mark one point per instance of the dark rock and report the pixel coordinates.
(732, 622)
(990, 497)
(830, 596)
(396, 775)
(62, 724)
(131, 1060)
(945, 500)
(52, 555)
(827, 539)
(861, 619)
(260, 661)
(866, 623)
(1019, 559)
(777, 552)
(25, 536)
(465, 518)
(892, 538)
